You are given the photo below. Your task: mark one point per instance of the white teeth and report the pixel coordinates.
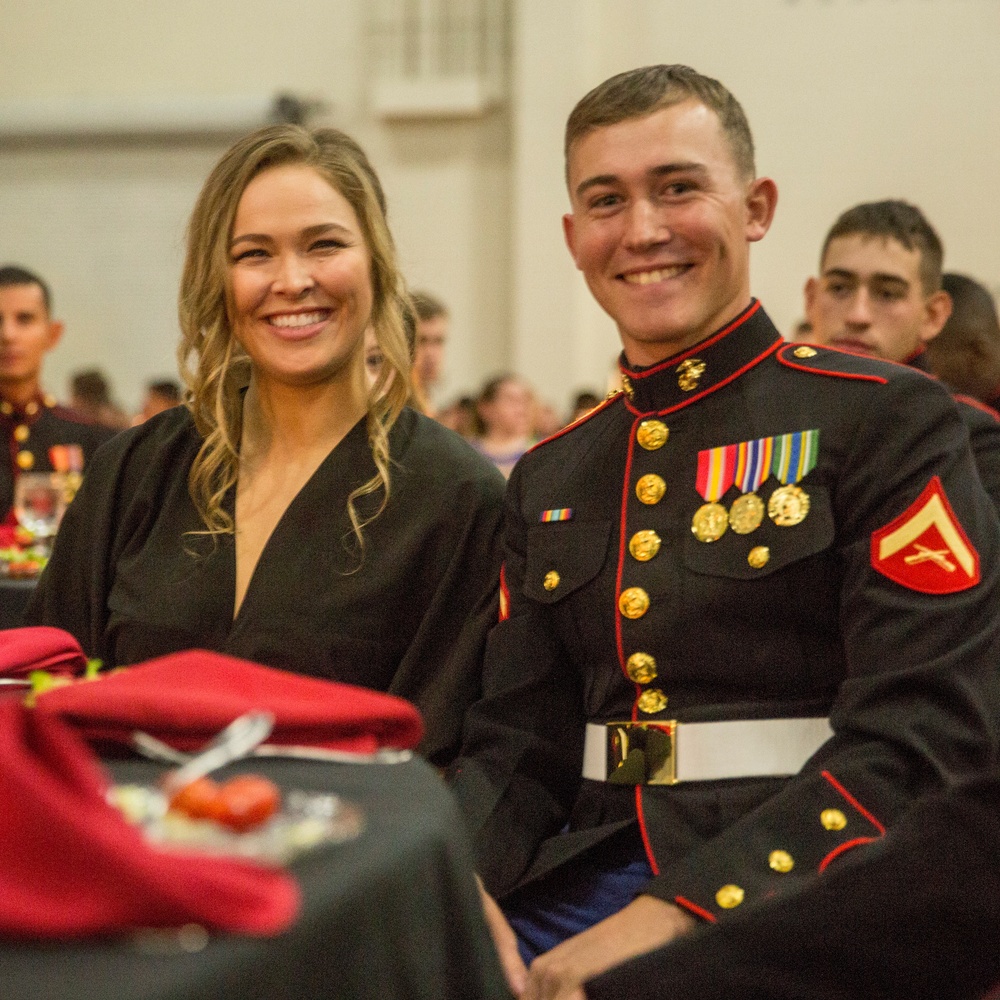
(297, 319)
(649, 277)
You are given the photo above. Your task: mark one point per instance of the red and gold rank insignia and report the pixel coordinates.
(925, 547)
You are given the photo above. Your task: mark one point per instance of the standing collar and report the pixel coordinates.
(29, 411)
(703, 368)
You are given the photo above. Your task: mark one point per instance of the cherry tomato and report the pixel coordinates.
(247, 801)
(199, 800)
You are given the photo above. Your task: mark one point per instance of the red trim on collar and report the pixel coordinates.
(697, 348)
(853, 801)
(576, 423)
(712, 388)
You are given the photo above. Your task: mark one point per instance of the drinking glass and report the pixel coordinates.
(39, 503)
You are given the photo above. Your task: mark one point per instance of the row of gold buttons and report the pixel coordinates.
(730, 896)
(643, 546)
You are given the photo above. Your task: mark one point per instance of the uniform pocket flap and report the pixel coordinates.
(563, 556)
(766, 549)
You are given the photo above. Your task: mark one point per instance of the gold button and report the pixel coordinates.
(634, 602)
(650, 489)
(49, 401)
(652, 701)
(759, 556)
(781, 861)
(641, 668)
(729, 896)
(551, 580)
(804, 352)
(21, 433)
(652, 434)
(25, 460)
(833, 819)
(644, 545)
(31, 409)
(6, 409)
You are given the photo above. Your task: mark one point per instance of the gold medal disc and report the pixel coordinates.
(788, 506)
(746, 514)
(710, 522)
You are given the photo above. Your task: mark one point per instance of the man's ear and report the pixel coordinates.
(761, 201)
(937, 309)
(809, 293)
(55, 333)
(569, 234)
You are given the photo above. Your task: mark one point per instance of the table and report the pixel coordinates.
(393, 915)
(14, 596)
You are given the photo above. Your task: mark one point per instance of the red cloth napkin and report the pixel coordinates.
(187, 698)
(39, 648)
(72, 866)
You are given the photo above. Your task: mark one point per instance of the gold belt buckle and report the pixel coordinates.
(642, 753)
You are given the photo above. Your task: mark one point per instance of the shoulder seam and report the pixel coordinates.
(578, 422)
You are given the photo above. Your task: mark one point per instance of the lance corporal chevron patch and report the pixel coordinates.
(925, 548)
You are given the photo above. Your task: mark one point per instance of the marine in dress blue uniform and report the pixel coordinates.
(749, 603)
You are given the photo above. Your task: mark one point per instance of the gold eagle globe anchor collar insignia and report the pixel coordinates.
(713, 362)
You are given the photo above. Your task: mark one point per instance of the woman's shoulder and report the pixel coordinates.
(423, 447)
(149, 445)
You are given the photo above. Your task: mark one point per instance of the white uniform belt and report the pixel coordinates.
(665, 752)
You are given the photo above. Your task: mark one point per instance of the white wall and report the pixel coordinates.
(850, 100)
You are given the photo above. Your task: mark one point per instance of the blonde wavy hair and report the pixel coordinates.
(214, 367)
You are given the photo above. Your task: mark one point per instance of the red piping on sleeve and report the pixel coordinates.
(854, 802)
(695, 909)
(843, 849)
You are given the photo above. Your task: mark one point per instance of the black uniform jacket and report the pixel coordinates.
(915, 917)
(859, 611)
(407, 615)
(31, 431)
(983, 424)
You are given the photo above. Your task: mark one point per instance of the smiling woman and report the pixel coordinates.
(262, 518)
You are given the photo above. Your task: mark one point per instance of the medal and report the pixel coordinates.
(716, 470)
(753, 463)
(788, 506)
(746, 513)
(795, 456)
(709, 522)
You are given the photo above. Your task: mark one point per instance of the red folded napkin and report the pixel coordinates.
(187, 698)
(39, 648)
(72, 866)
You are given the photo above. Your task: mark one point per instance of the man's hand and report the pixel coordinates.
(645, 924)
(505, 941)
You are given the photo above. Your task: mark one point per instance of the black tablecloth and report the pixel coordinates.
(393, 915)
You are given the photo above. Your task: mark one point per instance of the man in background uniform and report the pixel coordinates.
(748, 605)
(879, 293)
(41, 435)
